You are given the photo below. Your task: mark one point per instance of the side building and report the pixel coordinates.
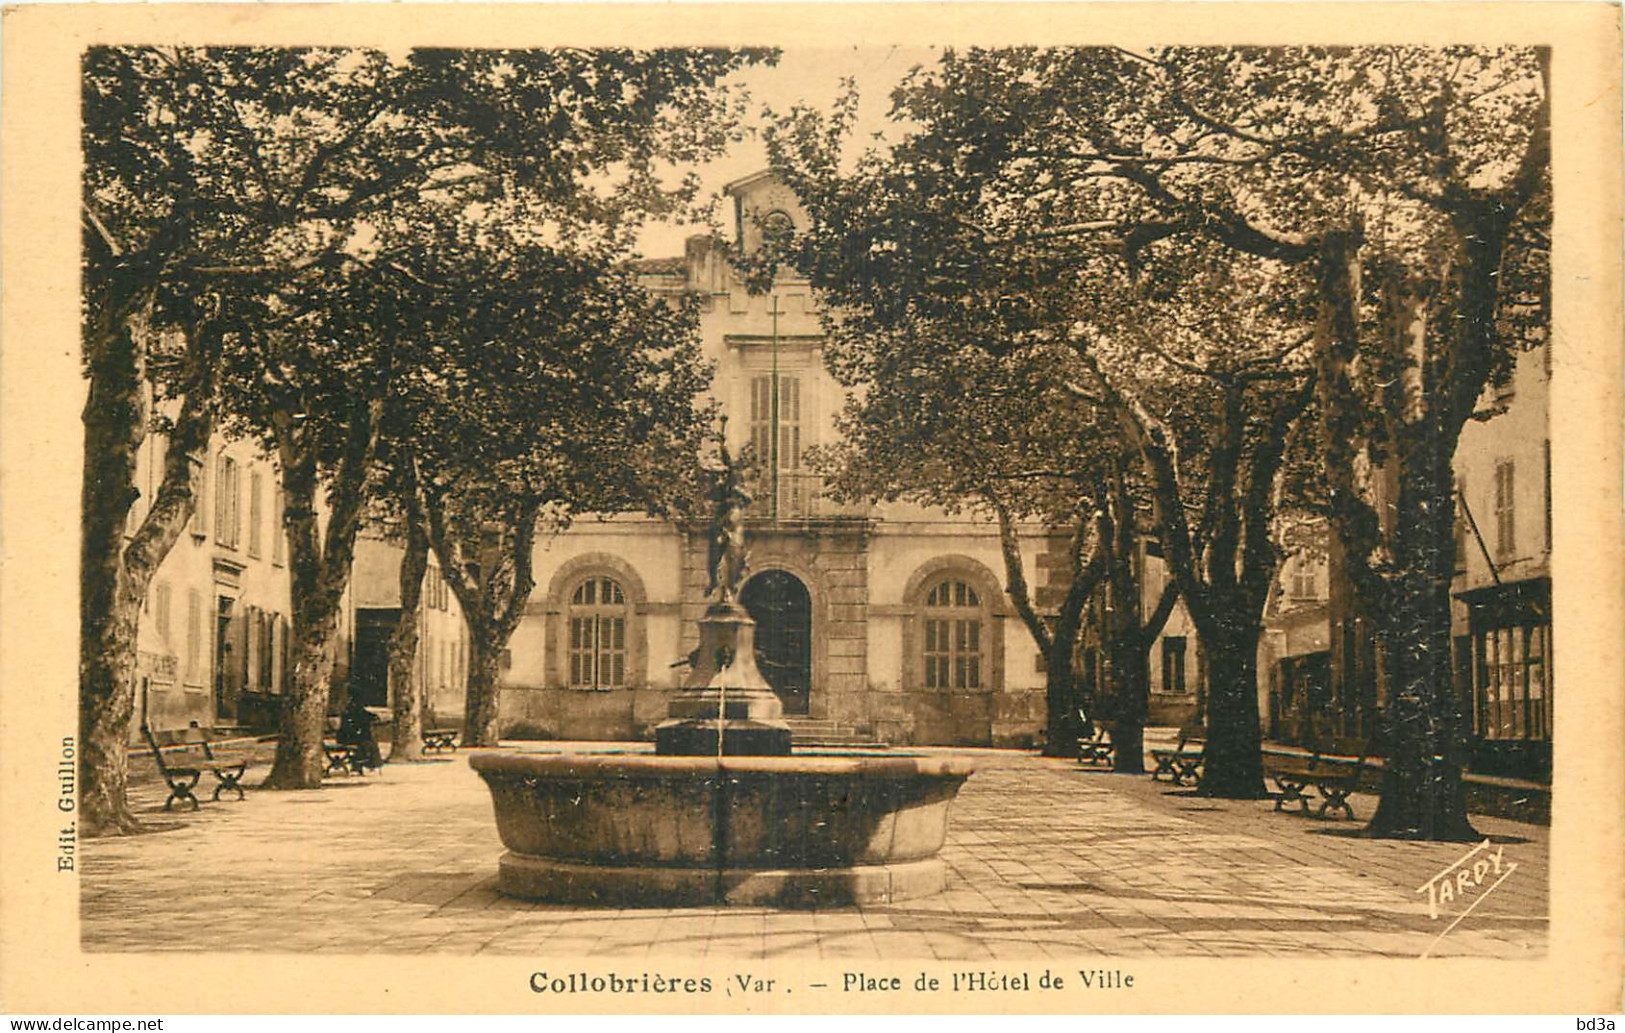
(1501, 617)
(1323, 658)
(214, 641)
(214, 637)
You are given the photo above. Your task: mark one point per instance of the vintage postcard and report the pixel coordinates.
(764, 508)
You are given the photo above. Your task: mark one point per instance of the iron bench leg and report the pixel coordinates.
(1291, 791)
(230, 778)
(1187, 768)
(180, 787)
(1292, 788)
(339, 759)
(1335, 796)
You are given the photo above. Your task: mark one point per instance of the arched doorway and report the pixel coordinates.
(779, 604)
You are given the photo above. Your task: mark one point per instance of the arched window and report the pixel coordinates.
(598, 634)
(953, 636)
(778, 228)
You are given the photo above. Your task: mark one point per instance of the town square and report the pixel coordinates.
(786, 526)
(410, 471)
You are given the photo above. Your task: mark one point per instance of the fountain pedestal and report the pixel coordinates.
(624, 830)
(725, 699)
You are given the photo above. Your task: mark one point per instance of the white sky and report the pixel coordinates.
(803, 75)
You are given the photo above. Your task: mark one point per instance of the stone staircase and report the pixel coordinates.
(808, 731)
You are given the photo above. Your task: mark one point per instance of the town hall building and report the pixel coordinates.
(887, 622)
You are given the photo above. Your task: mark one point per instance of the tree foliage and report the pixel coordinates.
(1401, 192)
(957, 428)
(565, 389)
(283, 189)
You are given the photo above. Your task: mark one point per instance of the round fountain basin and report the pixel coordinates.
(798, 831)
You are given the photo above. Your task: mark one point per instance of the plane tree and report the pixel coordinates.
(1210, 380)
(1192, 360)
(216, 178)
(984, 433)
(1411, 184)
(567, 389)
(395, 514)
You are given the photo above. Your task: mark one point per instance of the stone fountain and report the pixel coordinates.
(722, 812)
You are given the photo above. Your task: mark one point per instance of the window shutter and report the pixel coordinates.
(222, 491)
(194, 631)
(163, 612)
(201, 511)
(279, 536)
(254, 489)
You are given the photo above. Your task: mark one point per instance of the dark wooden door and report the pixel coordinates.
(230, 657)
(779, 604)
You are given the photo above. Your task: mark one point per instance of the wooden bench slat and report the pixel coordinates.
(440, 740)
(192, 747)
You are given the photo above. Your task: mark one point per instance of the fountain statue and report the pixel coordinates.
(723, 813)
(726, 706)
(729, 559)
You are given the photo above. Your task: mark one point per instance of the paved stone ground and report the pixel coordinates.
(1046, 861)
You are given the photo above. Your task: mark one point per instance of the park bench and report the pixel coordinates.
(1097, 747)
(1184, 761)
(195, 755)
(340, 758)
(1335, 771)
(440, 740)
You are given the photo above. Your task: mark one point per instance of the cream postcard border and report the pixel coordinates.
(41, 967)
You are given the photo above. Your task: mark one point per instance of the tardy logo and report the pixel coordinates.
(1465, 878)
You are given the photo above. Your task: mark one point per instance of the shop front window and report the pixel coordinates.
(1512, 662)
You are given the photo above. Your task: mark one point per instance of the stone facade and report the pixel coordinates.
(215, 633)
(215, 623)
(852, 582)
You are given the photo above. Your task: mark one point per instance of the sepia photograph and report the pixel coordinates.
(835, 521)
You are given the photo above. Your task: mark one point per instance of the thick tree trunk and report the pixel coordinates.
(299, 763)
(1131, 687)
(1129, 634)
(1422, 793)
(492, 605)
(1408, 595)
(480, 708)
(109, 605)
(107, 672)
(1062, 726)
(1233, 763)
(115, 574)
(319, 565)
(1055, 640)
(407, 740)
